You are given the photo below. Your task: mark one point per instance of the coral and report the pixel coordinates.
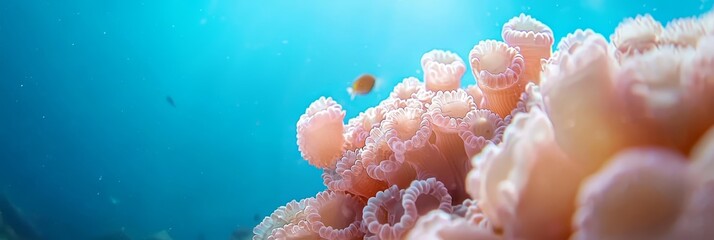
(285, 217)
(534, 41)
(497, 68)
(636, 35)
(597, 140)
(442, 70)
(320, 133)
(335, 215)
(392, 213)
(440, 225)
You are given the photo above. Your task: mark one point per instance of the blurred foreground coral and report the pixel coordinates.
(597, 140)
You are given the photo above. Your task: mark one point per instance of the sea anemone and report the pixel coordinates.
(319, 133)
(351, 176)
(335, 215)
(442, 70)
(357, 129)
(534, 41)
(497, 68)
(636, 35)
(288, 216)
(392, 213)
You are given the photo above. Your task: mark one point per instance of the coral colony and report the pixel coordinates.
(597, 140)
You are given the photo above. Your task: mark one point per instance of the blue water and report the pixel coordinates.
(89, 144)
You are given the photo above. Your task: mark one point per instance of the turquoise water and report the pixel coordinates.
(90, 146)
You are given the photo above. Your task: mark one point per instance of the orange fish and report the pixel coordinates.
(362, 85)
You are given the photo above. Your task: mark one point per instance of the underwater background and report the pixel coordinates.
(89, 144)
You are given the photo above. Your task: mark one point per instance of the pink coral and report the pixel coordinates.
(670, 90)
(639, 195)
(357, 129)
(567, 47)
(446, 112)
(636, 35)
(579, 94)
(442, 70)
(658, 99)
(351, 176)
(335, 215)
(475, 92)
(440, 225)
(534, 40)
(497, 68)
(407, 89)
(478, 129)
(611, 140)
(525, 184)
(288, 216)
(319, 133)
(470, 211)
(381, 163)
(297, 231)
(683, 32)
(392, 213)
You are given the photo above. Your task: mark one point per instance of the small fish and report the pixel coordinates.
(170, 100)
(362, 85)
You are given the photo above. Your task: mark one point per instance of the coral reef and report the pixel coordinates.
(597, 140)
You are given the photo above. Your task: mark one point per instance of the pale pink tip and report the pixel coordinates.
(636, 35)
(442, 70)
(320, 133)
(293, 231)
(335, 215)
(406, 130)
(683, 32)
(423, 196)
(657, 96)
(291, 213)
(567, 46)
(392, 213)
(534, 41)
(580, 95)
(497, 68)
(638, 195)
(351, 176)
(381, 164)
(526, 30)
(382, 215)
(392, 104)
(357, 129)
(480, 128)
(470, 211)
(376, 149)
(440, 225)
(406, 92)
(475, 92)
(448, 109)
(407, 89)
(410, 136)
(707, 21)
